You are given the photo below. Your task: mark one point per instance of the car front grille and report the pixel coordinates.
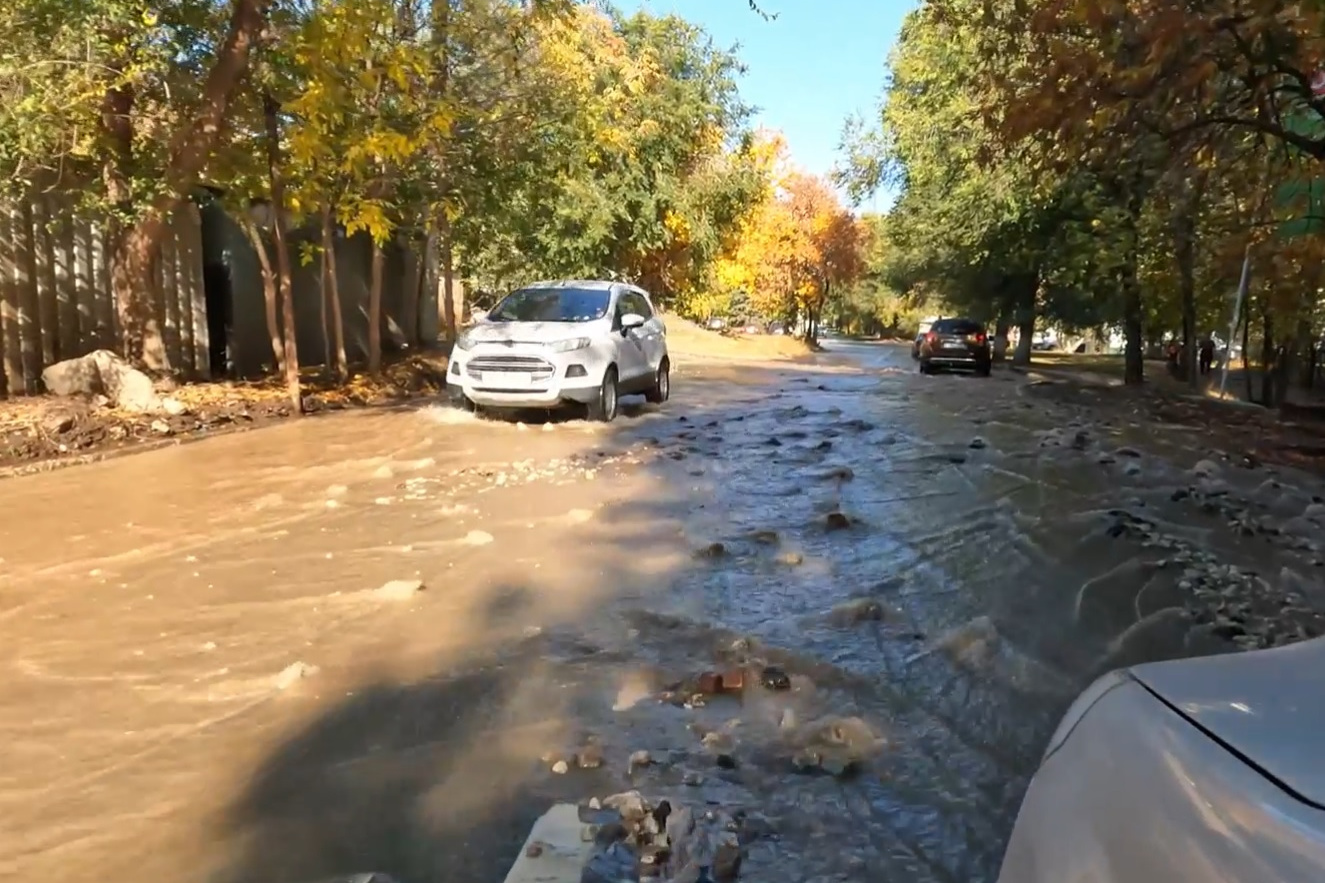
(537, 369)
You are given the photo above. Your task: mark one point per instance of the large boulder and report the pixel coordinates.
(103, 373)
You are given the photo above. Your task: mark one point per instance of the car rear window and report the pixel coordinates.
(957, 326)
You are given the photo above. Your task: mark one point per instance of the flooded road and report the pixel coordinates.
(364, 642)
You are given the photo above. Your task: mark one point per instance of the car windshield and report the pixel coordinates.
(957, 326)
(552, 305)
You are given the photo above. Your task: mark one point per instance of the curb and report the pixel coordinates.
(554, 851)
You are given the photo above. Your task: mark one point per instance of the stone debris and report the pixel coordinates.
(635, 839)
(1215, 601)
(837, 521)
(399, 589)
(293, 674)
(590, 757)
(712, 551)
(859, 610)
(102, 372)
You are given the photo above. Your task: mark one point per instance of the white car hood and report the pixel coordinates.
(531, 332)
(1266, 705)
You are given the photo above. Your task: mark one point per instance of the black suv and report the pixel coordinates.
(956, 343)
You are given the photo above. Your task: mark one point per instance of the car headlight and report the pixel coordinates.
(464, 341)
(568, 346)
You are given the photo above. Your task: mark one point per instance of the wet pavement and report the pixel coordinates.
(365, 642)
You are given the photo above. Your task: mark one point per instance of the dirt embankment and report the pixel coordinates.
(1288, 438)
(46, 432)
(687, 340)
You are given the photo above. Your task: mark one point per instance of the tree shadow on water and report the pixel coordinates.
(436, 779)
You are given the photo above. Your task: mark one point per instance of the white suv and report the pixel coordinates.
(551, 344)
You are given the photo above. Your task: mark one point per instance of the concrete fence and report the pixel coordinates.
(55, 296)
(56, 301)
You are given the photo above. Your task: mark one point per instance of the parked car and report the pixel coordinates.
(921, 331)
(553, 344)
(956, 343)
(1177, 772)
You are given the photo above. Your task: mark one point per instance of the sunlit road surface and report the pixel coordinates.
(222, 668)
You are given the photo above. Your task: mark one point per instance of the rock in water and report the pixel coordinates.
(399, 589)
(774, 678)
(837, 521)
(293, 674)
(861, 610)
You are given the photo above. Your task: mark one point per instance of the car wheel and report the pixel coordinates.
(603, 409)
(662, 384)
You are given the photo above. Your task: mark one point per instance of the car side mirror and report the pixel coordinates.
(631, 321)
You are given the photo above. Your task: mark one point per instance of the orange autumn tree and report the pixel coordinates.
(833, 247)
(797, 247)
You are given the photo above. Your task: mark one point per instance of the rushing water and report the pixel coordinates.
(204, 683)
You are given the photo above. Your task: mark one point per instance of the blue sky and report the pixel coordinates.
(818, 62)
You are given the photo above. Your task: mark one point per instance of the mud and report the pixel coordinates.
(387, 641)
(44, 433)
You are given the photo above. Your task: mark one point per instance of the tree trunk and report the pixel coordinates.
(333, 294)
(1301, 354)
(441, 86)
(1246, 349)
(1001, 328)
(270, 294)
(324, 310)
(1021, 356)
(271, 112)
(1025, 306)
(448, 274)
(1184, 246)
(430, 281)
(413, 292)
(1269, 362)
(1134, 370)
(375, 311)
(134, 247)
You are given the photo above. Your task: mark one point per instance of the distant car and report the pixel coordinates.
(716, 324)
(956, 344)
(553, 344)
(1177, 772)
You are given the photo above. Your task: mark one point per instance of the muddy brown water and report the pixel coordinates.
(203, 683)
